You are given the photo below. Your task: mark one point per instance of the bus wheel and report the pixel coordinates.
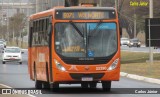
(106, 86)
(46, 85)
(84, 85)
(38, 84)
(93, 85)
(54, 87)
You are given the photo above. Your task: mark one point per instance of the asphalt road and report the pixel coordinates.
(16, 76)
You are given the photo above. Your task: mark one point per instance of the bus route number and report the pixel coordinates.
(101, 68)
(68, 15)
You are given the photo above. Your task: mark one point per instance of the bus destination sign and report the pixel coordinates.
(76, 15)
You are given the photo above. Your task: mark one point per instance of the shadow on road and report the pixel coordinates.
(83, 91)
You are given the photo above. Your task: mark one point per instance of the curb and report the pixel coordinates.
(141, 78)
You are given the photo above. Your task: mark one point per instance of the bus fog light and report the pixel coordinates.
(59, 66)
(114, 64)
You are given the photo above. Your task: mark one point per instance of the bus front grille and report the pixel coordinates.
(86, 62)
(78, 76)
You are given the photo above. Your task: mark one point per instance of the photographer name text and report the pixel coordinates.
(139, 3)
(146, 92)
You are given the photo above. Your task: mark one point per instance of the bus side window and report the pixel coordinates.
(49, 29)
(30, 33)
(36, 26)
(120, 31)
(33, 34)
(30, 37)
(47, 23)
(44, 26)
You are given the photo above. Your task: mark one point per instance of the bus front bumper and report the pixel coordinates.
(73, 77)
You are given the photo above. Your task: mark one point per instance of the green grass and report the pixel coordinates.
(135, 63)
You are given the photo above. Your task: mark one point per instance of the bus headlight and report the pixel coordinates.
(59, 66)
(114, 64)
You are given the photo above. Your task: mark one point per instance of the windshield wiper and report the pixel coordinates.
(93, 31)
(96, 27)
(75, 27)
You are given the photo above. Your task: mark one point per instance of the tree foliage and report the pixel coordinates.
(17, 25)
(142, 12)
(126, 13)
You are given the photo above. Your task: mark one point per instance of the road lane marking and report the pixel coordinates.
(5, 86)
(11, 87)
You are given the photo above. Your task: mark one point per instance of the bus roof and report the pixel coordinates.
(50, 12)
(81, 7)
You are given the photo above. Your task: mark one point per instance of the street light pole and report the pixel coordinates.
(12, 26)
(150, 48)
(135, 26)
(100, 3)
(37, 6)
(2, 17)
(8, 22)
(135, 23)
(116, 5)
(151, 8)
(28, 13)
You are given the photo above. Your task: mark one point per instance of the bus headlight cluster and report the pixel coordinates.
(114, 64)
(59, 66)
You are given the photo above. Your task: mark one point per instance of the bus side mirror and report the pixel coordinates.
(120, 31)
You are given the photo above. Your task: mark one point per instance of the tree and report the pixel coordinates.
(127, 16)
(16, 25)
(3, 30)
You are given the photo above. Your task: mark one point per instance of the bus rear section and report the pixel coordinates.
(84, 47)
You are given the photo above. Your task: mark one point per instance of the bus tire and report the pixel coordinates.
(93, 85)
(106, 85)
(84, 85)
(46, 85)
(55, 87)
(38, 84)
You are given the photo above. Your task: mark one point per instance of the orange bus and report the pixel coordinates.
(74, 45)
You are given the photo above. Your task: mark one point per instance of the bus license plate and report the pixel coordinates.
(87, 79)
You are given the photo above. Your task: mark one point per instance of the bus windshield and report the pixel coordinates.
(87, 40)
